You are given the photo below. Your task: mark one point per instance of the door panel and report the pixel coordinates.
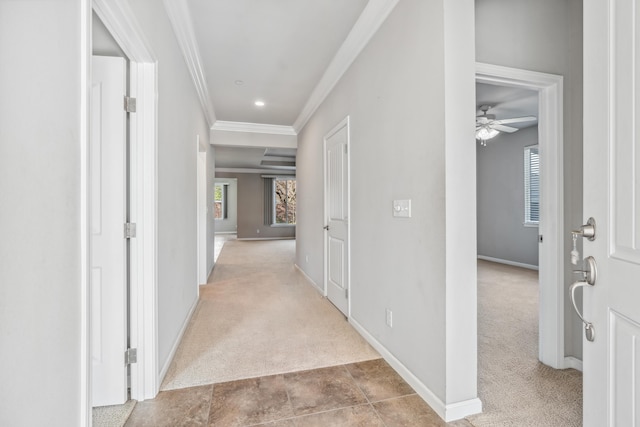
(612, 197)
(108, 246)
(337, 211)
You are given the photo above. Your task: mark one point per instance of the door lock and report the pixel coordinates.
(588, 230)
(326, 227)
(589, 279)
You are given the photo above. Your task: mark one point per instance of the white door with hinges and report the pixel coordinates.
(337, 216)
(108, 278)
(611, 360)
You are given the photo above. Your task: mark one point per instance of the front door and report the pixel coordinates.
(337, 216)
(612, 198)
(108, 245)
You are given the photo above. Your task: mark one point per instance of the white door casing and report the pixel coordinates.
(612, 197)
(202, 210)
(108, 279)
(336, 171)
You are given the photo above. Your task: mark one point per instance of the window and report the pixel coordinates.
(531, 185)
(220, 201)
(284, 201)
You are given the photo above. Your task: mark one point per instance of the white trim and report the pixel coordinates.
(310, 280)
(253, 128)
(178, 340)
(507, 262)
(573, 363)
(550, 131)
(180, 17)
(85, 415)
(372, 17)
(265, 238)
(119, 19)
(451, 412)
(247, 170)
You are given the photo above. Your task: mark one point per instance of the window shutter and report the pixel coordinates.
(267, 197)
(531, 185)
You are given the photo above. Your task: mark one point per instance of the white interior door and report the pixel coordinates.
(612, 198)
(337, 216)
(108, 245)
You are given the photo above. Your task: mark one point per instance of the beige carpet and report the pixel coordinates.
(259, 316)
(112, 416)
(515, 388)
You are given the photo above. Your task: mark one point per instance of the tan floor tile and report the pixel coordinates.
(183, 407)
(282, 423)
(355, 416)
(408, 411)
(322, 390)
(248, 402)
(378, 380)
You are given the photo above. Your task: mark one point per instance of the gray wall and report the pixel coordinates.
(230, 223)
(545, 36)
(394, 94)
(500, 198)
(180, 120)
(103, 43)
(40, 139)
(250, 214)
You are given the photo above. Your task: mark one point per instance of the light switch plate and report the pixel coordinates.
(402, 208)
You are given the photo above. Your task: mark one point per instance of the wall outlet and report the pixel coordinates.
(389, 317)
(402, 208)
(306, 258)
(258, 231)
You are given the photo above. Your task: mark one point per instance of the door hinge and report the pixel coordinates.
(131, 356)
(129, 104)
(540, 238)
(346, 149)
(129, 230)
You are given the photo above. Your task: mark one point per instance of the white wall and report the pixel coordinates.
(501, 230)
(394, 94)
(40, 139)
(180, 120)
(546, 36)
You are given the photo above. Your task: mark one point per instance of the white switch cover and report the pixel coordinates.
(402, 208)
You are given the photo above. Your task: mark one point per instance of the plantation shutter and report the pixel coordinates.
(268, 200)
(531, 185)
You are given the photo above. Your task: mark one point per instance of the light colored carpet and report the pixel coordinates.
(112, 416)
(259, 316)
(515, 388)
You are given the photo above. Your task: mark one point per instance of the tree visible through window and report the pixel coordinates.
(220, 201)
(284, 193)
(531, 185)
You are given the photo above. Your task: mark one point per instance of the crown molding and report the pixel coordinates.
(372, 17)
(253, 128)
(249, 170)
(119, 19)
(180, 18)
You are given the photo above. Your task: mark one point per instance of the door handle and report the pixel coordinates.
(590, 275)
(326, 227)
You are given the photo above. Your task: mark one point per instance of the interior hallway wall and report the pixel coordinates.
(230, 223)
(396, 94)
(40, 246)
(180, 121)
(501, 230)
(545, 36)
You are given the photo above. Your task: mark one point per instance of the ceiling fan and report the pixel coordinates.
(488, 127)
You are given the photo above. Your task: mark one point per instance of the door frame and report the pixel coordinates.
(201, 215)
(343, 123)
(119, 19)
(550, 131)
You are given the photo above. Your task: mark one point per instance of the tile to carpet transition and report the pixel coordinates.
(184, 407)
(322, 390)
(249, 402)
(354, 416)
(378, 380)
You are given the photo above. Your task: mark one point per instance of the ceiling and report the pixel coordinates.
(508, 102)
(270, 50)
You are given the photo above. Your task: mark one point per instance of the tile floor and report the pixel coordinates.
(363, 394)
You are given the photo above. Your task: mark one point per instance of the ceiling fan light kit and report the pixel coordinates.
(488, 127)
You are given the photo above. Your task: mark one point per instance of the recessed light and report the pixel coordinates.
(239, 82)
(259, 103)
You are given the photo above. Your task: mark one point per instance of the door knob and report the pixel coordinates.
(588, 230)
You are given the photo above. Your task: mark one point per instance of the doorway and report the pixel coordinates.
(551, 231)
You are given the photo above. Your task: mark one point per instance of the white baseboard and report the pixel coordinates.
(266, 238)
(451, 412)
(507, 262)
(174, 348)
(310, 280)
(573, 362)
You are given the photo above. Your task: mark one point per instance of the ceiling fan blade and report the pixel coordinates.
(515, 120)
(502, 128)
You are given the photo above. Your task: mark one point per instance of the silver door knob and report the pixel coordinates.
(588, 230)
